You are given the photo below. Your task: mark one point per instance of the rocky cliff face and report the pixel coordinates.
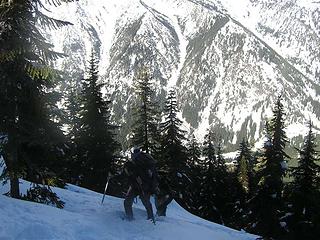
(227, 66)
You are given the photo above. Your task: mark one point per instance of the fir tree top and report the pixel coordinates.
(172, 125)
(306, 173)
(209, 150)
(146, 114)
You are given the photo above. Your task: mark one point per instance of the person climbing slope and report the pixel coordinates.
(143, 181)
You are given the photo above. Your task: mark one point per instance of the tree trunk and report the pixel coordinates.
(11, 160)
(14, 186)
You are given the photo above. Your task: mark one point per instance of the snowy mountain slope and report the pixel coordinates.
(290, 27)
(226, 73)
(85, 218)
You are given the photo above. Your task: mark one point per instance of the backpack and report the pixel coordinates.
(143, 165)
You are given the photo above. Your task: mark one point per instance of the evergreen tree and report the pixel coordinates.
(96, 145)
(194, 174)
(272, 167)
(242, 175)
(214, 186)
(225, 186)
(72, 120)
(173, 161)
(25, 79)
(267, 204)
(244, 169)
(279, 141)
(73, 107)
(243, 180)
(194, 152)
(305, 189)
(145, 127)
(221, 163)
(209, 150)
(208, 192)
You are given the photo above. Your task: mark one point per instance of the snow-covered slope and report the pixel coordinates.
(227, 67)
(289, 26)
(84, 218)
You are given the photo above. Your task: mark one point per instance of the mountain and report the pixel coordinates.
(290, 27)
(227, 62)
(83, 217)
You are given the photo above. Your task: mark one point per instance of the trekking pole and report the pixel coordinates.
(106, 187)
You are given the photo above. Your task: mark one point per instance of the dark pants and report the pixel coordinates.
(162, 201)
(145, 199)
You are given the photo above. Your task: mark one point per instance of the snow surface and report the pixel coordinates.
(85, 218)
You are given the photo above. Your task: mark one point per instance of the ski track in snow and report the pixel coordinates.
(84, 218)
